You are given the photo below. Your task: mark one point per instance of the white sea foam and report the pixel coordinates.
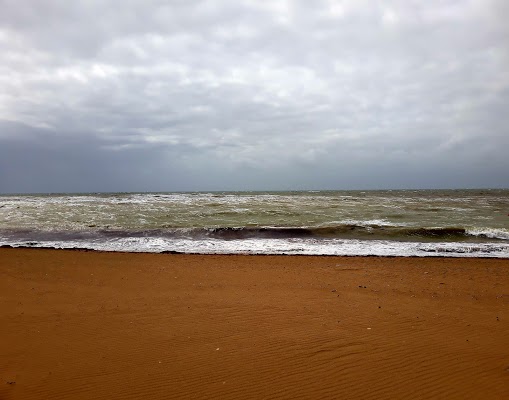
(367, 223)
(491, 233)
(334, 247)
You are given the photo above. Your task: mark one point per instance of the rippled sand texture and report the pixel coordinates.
(85, 325)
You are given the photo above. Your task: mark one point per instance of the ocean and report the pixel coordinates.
(449, 223)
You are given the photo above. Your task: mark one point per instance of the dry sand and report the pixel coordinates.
(89, 325)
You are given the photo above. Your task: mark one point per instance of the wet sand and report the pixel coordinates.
(90, 325)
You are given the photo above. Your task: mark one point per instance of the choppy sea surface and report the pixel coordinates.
(457, 223)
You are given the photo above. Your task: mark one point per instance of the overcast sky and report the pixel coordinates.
(232, 95)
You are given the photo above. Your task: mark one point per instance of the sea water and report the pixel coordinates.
(473, 223)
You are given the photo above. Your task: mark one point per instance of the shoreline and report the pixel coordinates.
(110, 325)
(174, 252)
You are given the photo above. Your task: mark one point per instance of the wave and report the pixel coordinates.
(335, 247)
(357, 231)
(491, 233)
(361, 231)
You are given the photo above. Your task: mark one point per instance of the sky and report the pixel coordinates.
(107, 96)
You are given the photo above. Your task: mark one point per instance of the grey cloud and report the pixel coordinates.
(248, 94)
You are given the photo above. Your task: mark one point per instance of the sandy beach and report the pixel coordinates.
(91, 325)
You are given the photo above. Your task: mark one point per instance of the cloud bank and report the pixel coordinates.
(236, 95)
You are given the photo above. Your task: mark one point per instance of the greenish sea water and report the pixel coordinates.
(385, 222)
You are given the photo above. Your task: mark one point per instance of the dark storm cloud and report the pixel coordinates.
(151, 95)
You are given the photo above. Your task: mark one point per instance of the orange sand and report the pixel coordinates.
(89, 325)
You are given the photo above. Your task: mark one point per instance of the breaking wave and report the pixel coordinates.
(340, 231)
(356, 231)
